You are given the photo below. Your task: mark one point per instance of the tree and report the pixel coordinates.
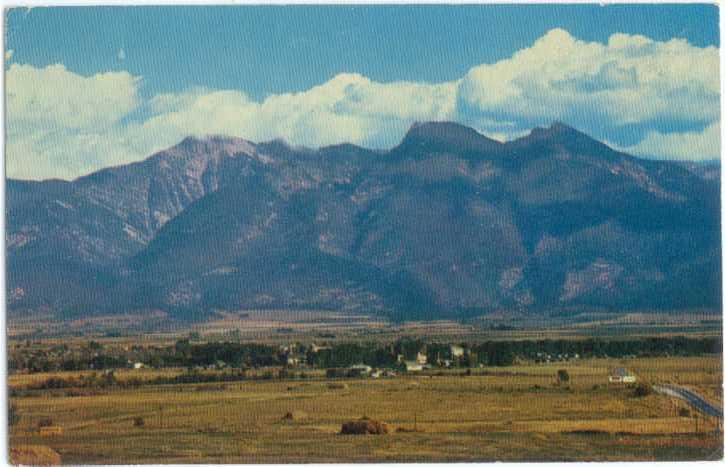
(642, 390)
(183, 347)
(13, 416)
(562, 376)
(500, 354)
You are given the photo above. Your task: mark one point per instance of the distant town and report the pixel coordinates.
(342, 359)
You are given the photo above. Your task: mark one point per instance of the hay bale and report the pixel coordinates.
(51, 430)
(33, 455)
(294, 415)
(337, 386)
(364, 426)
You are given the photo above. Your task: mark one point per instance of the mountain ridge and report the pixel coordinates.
(445, 224)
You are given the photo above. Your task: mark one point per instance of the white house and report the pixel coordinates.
(413, 366)
(457, 351)
(621, 375)
(421, 358)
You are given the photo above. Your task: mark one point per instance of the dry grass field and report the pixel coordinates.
(514, 413)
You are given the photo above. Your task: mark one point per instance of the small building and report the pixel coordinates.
(359, 370)
(314, 348)
(413, 366)
(137, 366)
(622, 375)
(457, 351)
(421, 358)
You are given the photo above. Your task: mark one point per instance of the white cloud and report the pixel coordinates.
(691, 145)
(352, 108)
(9, 55)
(55, 98)
(60, 124)
(63, 124)
(630, 80)
(121, 54)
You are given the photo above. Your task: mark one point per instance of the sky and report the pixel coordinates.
(90, 87)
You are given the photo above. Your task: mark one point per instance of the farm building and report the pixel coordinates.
(314, 348)
(621, 375)
(413, 366)
(359, 370)
(457, 351)
(293, 360)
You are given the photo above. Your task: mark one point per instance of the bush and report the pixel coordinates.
(138, 421)
(337, 386)
(642, 390)
(364, 426)
(683, 412)
(43, 422)
(562, 376)
(13, 416)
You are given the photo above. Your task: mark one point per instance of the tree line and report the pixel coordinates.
(189, 354)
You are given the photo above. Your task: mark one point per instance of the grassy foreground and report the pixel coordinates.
(517, 413)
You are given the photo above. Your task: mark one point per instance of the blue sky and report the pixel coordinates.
(121, 82)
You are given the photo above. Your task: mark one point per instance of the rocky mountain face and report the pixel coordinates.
(447, 224)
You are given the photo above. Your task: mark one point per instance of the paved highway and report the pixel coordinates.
(691, 398)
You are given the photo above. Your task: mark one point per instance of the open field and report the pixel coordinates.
(282, 326)
(511, 413)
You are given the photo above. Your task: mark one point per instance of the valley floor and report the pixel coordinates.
(517, 413)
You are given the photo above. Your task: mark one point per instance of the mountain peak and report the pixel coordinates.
(558, 133)
(209, 146)
(557, 128)
(450, 134)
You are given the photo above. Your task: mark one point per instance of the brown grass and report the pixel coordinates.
(458, 419)
(33, 455)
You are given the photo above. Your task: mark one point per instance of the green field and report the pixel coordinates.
(513, 413)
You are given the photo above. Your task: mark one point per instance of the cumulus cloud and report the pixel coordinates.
(605, 88)
(53, 96)
(689, 145)
(61, 124)
(657, 99)
(352, 108)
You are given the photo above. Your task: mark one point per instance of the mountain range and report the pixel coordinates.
(448, 224)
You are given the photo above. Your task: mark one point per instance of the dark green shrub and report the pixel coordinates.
(642, 390)
(13, 416)
(43, 422)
